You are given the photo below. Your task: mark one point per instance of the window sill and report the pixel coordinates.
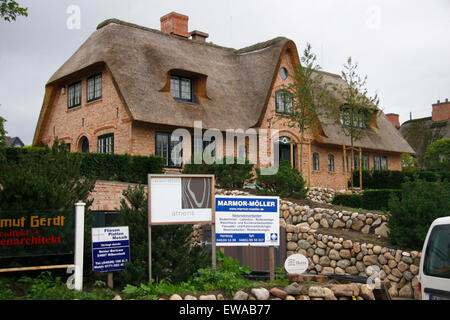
(93, 101)
(74, 108)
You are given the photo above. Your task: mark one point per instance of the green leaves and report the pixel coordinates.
(10, 9)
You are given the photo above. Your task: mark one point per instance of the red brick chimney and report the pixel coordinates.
(198, 35)
(394, 119)
(175, 23)
(441, 111)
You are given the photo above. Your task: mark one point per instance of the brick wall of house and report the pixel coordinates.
(90, 119)
(441, 111)
(107, 194)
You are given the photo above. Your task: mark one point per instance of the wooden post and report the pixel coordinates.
(272, 263)
(110, 280)
(309, 164)
(292, 154)
(360, 168)
(345, 166)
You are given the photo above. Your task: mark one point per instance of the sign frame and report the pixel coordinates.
(244, 199)
(178, 176)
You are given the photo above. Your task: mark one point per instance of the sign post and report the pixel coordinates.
(79, 245)
(110, 249)
(180, 199)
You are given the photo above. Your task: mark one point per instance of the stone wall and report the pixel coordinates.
(335, 255)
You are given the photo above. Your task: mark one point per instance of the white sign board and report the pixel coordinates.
(180, 199)
(110, 248)
(296, 264)
(247, 221)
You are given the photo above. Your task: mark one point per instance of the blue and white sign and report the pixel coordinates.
(110, 248)
(247, 221)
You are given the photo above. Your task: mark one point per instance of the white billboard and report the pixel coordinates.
(180, 199)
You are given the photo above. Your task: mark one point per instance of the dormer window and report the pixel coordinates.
(181, 88)
(354, 118)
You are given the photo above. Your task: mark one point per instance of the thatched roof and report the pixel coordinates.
(381, 136)
(238, 81)
(238, 85)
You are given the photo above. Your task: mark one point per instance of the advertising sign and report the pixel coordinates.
(247, 221)
(36, 233)
(180, 199)
(110, 248)
(296, 264)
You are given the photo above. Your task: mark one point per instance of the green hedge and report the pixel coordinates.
(420, 204)
(393, 179)
(348, 200)
(370, 199)
(228, 172)
(98, 166)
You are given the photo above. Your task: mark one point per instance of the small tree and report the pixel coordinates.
(2, 132)
(10, 9)
(409, 163)
(307, 96)
(356, 107)
(438, 155)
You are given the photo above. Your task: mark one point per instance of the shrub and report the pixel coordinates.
(228, 172)
(348, 200)
(41, 179)
(420, 204)
(93, 166)
(172, 256)
(287, 182)
(378, 199)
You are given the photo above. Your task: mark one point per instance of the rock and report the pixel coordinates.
(292, 290)
(407, 259)
(367, 292)
(291, 246)
(396, 273)
(344, 263)
(376, 223)
(357, 225)
(370, 260)
(329, 294)
(365, 229)
(393, 290)
(240, 295)
(406, 291)
(345, 253)
(324, 223)
(175, 297)
(402, 266)
(207, 297)
(316, 292)
(303, 297)
(327, 270)
(334, 254)
(414, 269)
(338, 224)
(382, 230)
(261, 293)
(346, 290)
(278, 293)
(357, 247)
(376, 249)
(303, 244)
(347, 244)
(351, 270)
(220, 297)
(117, 297)
(289, 297)
(189, 297)
(314, 225)
(381, 259)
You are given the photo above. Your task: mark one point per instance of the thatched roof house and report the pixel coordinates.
(138, 68)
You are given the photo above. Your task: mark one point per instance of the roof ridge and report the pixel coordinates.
(133, 25)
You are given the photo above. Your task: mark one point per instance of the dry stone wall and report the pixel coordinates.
(335, 255)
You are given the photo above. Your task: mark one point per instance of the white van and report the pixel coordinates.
(434, 274)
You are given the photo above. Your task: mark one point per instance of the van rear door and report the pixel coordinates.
(435, 263)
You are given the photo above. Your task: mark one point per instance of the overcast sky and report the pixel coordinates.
(402, 46)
